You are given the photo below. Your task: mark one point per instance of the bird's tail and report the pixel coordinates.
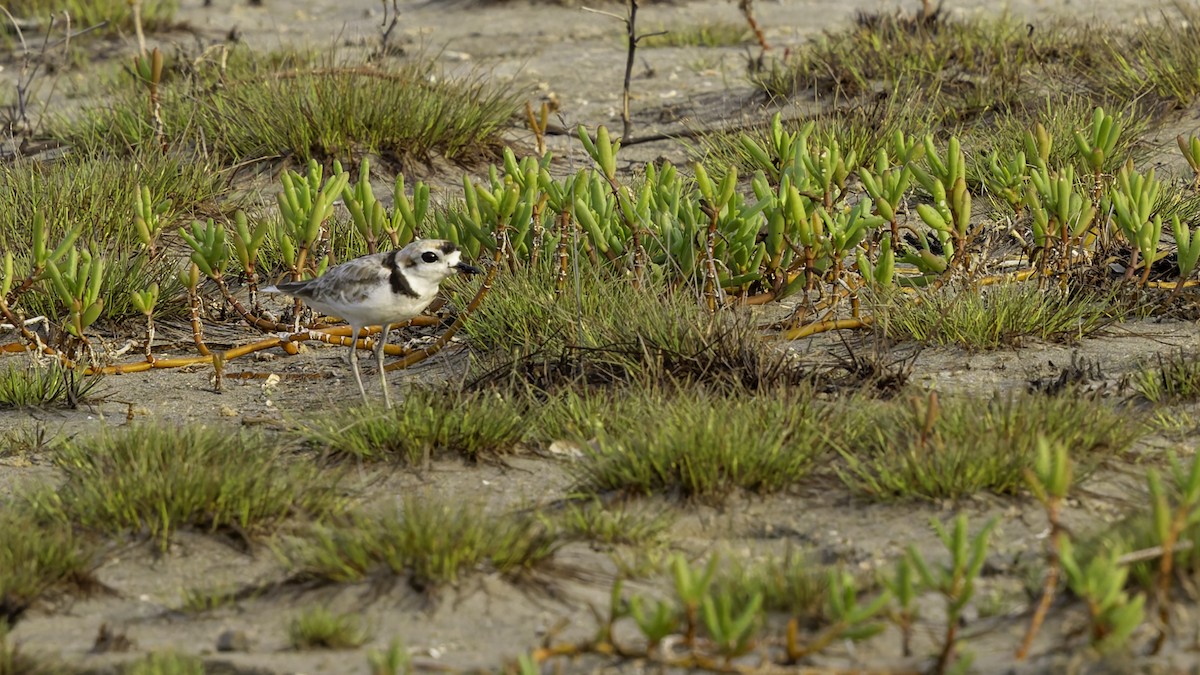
(288, 287)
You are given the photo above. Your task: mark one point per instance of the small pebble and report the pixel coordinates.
(233, 641)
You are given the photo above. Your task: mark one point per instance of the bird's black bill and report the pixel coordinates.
(464, 268)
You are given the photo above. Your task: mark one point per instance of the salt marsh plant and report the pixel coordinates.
(794, 584)
(1100, 582)
(798, 229)
(1174, 378)
(37, 559)
(603, 329)
(1175, 509)
(112, 16)
(697, 444)
(44, 209)
(238, 484)
(429, 542)
(612, 525)
(719, 34)
(955, 582)
(992, 317)
(166, 663)
(717, 622)
(1050, 481)
(319, 628)
(395, 660)
(101, 191)
(328, 112)
(1152, 549)
(1152, 62)
(37, 386)
(935, 449)
(431, 423)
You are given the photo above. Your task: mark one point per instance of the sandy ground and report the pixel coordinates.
(576, 58)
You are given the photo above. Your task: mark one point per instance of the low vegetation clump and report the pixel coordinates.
(982, 67)
(1155, 59)
(720, 34)
(87, 204)
(26, 440)
(430, 542)
(602, 330)
(793, 584)
(200, 600)
(320, 628)
(1175, 379)
(403, 113)
(430, 423)
(994, 317)
(573, 413)
(612, 525)
(100, 191)
(113, 16)
(35, 559)
(166, 663)
(699, 444)
(936, 448)
(153, 479)
(997, 52)
(39, 386)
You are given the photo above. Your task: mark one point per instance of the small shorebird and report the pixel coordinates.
(380, 289)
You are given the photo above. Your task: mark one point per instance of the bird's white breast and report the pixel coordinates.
(371, 304)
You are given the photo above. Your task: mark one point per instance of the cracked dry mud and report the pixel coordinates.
(577, 58)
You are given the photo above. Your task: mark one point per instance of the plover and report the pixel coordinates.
(380, 289)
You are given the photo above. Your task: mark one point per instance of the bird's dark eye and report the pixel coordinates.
(429, 257)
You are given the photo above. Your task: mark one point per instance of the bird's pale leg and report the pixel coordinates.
(380, 344)
(354, 331)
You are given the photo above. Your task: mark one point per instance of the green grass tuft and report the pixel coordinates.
(430, 542)
(792, 584)
(117, 15)
(1159, 59)
(200, 600)
(1175, 379)
(156, 478)
(955, 448)
(319, 628)
(720, 34)
(697, 444)
(619, 525)
(100, 192)
(403, 114)
(429, 423)
(26, 440)
(604, 330)
(36, 386)
(992, 317)
(979, 63)
(166, 663)
(35, 559)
